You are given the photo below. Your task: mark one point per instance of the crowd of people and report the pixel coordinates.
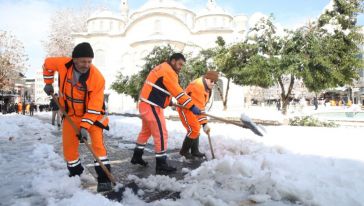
(27, 108)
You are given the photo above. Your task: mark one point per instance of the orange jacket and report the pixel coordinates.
(85, 99)
(200, 96)
(20, 107)
(160, 85)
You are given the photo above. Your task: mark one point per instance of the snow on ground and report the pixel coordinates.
(288, 166)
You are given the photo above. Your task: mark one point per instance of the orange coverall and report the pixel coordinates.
(200, 96)
(158, 89)
(83, 101)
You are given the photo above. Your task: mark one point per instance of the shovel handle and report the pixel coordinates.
(215, 117)
(210, 143)
(104, 168)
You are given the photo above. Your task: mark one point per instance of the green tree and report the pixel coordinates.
(336, 37)
(196, 67)
(131, 85)
(273, 61)
(225, 61)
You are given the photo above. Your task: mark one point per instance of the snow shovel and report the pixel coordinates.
(117, 192)
(210, 143)
(247, 122)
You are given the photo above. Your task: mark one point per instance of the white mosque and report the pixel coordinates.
(121, 40)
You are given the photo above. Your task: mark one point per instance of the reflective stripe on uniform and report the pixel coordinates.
(202, 119)
(74, 100)
(105, 160)
(48, 76)
(186, 102)
(87, 120)
(161, 154)
(140, 146)
(158, 87)
(180, 95)
(185, 119)
(93, 111)
(73, 163)
(149, 102)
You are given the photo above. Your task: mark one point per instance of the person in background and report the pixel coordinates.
(27, 108)
(279, 105)
(55, 111)
(20, 107)
(32, 108)
(16, 108)
(315, 102)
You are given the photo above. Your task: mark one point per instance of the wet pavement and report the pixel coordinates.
(121, 166)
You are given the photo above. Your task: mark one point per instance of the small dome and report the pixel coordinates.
(103, 14)
(212, 9)
(161, 4)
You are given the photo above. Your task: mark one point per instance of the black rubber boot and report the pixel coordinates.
(194, 149)
(186, 146)
(137, 157)
(103, 182)
(75, 170)
(162, 167)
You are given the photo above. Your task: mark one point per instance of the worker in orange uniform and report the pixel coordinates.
(20, 107)
(200, 91)
(81, 94)
(158, 89)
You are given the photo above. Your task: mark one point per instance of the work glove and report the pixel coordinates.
(206, 128)
(83, 135)
(48, 89)
(195, 110)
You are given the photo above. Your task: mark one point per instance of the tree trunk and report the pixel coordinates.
(224, 99)
(226, 95)
(284, 96)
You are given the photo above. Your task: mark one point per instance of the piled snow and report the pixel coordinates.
(288, 166)
(31, 172)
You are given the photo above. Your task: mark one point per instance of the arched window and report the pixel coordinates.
(111, 25)
(157, 26)
(100, 58)
(101, 25)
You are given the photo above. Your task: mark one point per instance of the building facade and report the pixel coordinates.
(40, 97)
(120, 41)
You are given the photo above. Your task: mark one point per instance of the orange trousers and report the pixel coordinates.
(190, 122)
(153, 123)
(71, 142)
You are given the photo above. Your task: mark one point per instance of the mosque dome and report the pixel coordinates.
(104, 21)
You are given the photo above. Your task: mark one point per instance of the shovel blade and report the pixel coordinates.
(250, 124)
(118, 192)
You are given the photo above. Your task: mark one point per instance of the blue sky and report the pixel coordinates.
(28, 19)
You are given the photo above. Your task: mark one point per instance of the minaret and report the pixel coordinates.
(211, 4)
(124, 9)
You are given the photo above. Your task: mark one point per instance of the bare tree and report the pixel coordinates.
(12, 59)
(63, 24)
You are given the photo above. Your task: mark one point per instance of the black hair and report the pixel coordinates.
(177, 56)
